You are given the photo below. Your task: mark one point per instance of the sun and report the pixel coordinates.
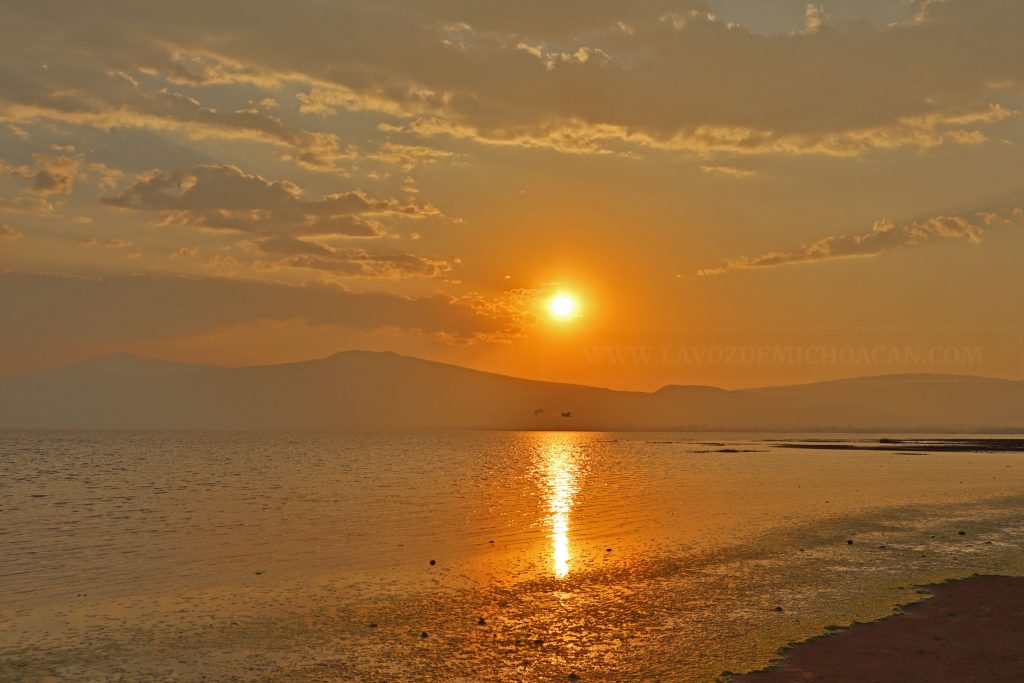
(563, 306)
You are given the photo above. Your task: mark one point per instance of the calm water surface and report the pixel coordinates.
(521, 556)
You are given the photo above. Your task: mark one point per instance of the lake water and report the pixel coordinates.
(520, 556)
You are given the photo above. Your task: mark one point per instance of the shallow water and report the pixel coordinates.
(307, 556)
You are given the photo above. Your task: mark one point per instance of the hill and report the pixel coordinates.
(372, 390)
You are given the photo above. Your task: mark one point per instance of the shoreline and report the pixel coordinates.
(968, 629)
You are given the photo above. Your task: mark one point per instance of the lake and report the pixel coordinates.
(472, 555)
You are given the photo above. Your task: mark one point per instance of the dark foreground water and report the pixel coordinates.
(470, 556)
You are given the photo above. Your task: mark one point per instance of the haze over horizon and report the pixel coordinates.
(366, 390)
(719, 192)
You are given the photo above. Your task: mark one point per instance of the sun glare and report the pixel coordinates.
(563, 306)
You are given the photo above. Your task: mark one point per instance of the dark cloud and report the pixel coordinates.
(226, 198)
(80, 313)
(56, 174)
(574, 76)
(53, 175)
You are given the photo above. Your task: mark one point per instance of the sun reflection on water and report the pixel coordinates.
(560, 471)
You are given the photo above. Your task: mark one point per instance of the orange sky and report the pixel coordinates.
(737, 192)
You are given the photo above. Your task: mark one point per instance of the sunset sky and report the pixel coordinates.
(732, 192)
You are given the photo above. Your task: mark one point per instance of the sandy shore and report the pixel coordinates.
(971, 630)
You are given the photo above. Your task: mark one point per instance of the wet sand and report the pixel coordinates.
(970, 630)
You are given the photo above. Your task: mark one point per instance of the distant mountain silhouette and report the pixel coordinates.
(370, 390)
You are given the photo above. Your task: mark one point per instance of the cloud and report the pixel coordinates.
(579, 137)
(105, 98)
(408, 156)
(56, 174)
(751, 94)
(363, 264)
(727, 171)
(53, 310)
(813, 18)
(326, 99)
(51, 176)
(114, 242)
(565, 75)
(9, 233)
(310, 255)
(884, 236)
(25, 204)
(222, 197)
(292, 232)
(289, 246)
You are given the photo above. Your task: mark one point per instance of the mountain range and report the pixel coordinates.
(381, 390)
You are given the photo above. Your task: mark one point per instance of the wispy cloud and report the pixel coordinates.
(884, 236)
(9, 233)
(727, 171)
(288, 252)
(108, 99)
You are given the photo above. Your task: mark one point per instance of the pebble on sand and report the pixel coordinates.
(481, 621)
(849, 541)
(423, 634)
(433, 562)
(573, 677)
(962, 533)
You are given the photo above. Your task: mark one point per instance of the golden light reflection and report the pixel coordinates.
(560, 469)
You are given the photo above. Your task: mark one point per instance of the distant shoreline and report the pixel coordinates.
(967, 630)
(969, 445)
(880, 443)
